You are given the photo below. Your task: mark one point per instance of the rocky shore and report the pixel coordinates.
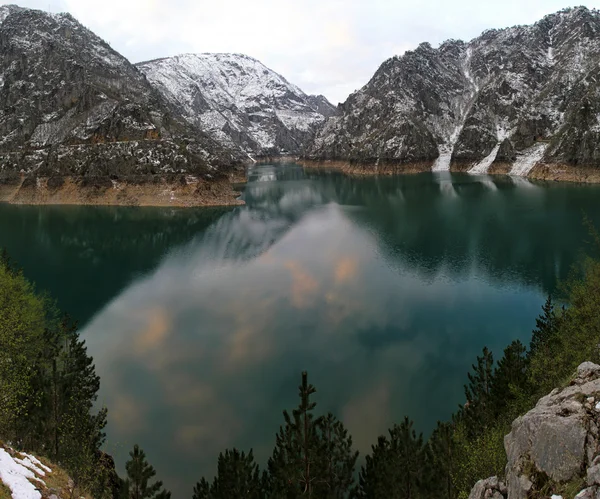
(543, 171)
(142, 190)
(554, 449)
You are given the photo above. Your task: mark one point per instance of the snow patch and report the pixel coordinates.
(233, 97)
(483, 166)
(528, 159)
(17, 477)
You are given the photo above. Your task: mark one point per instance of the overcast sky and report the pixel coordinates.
(329, 47)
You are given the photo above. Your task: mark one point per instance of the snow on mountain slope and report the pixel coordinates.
(239, 101)
(472, 104)
(63, 87)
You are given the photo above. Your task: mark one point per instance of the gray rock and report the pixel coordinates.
(589, 493)
(513, 88)
(558, 437)
(66, 92)
(210, 92)
(490, 488)
(593, 475)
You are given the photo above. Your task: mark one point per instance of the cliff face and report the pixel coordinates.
(71, 105)
(554, 444)
(518, 96)
(239, 101)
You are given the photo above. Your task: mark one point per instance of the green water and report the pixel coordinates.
(384, 289)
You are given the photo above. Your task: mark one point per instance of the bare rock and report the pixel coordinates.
(490, 488)
(558, 437)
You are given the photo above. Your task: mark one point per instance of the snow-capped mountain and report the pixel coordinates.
(509, 98)
(239, 101)
(71, 105)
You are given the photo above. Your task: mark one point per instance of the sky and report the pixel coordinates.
(329, 47)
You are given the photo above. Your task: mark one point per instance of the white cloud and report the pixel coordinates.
(324, 46)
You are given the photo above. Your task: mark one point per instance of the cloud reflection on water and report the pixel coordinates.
(386, 307)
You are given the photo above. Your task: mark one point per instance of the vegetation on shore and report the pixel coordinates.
(48, 390)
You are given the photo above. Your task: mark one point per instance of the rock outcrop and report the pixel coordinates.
(506, 101)
(239, 101)
(70, 105)
(555, 443)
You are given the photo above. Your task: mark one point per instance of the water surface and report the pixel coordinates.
(384, 289)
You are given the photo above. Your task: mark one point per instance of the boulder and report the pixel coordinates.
(558, 438)
(490, 488)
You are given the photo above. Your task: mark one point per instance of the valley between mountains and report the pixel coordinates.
(80, 124)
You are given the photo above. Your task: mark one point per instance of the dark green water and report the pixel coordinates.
(384, 289)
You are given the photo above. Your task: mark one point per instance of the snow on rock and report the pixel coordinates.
(483, 166)
(74, 89)
(528, 159)
(239, 101)
(442, 163)
(16, 476)
(453, 105)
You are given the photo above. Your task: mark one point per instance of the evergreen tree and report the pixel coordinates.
(338, 459)
(294, 463)
(313, 456)
(139, 474)
(546, 326)
(442, 461)
(396, 468)
(202, 490)
(478, 411)
(510, 376)
(238, 477)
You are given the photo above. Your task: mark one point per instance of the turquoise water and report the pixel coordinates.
(384, 289)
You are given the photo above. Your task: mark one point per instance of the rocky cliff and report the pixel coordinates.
(505, 101)
(555, 447)
(72, 106)
(239, 101)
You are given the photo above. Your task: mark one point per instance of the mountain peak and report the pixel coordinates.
(7, 10)
(505, 100)
(238, 100)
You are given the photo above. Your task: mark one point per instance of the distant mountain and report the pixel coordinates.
(505, 101)
(239, 101)
(71, 105)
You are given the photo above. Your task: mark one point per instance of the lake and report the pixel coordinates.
(384, 288)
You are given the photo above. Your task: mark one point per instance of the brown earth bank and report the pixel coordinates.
(356, 169)
(543, 171)
(143, 190)
(565, 173)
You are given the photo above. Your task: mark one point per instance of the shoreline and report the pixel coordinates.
(552, 172)
(159, 191)
(183, 191)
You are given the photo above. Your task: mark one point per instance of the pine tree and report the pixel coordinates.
(139, 474)
(313, 456)
(238, 477)
(478, 411)
(202, 490)
(396, 468)
(510, 376)
(338, 459)
(442, 461)
(546, 326)
(293, 466)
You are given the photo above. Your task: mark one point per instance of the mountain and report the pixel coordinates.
(70, 105)
(503, 102)
(239, 101)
